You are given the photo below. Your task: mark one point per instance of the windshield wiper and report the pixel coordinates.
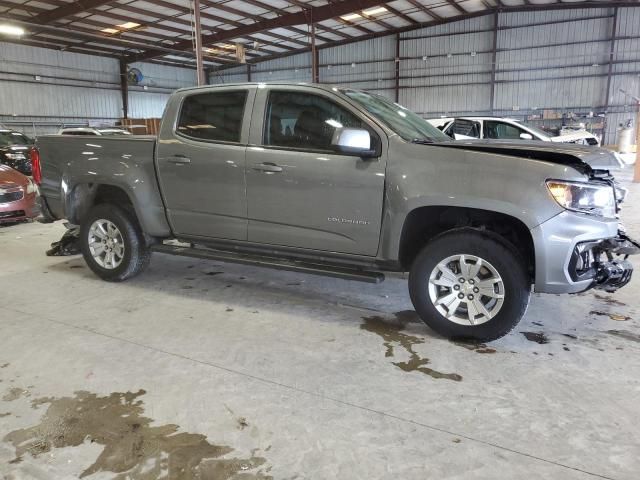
(422, 141)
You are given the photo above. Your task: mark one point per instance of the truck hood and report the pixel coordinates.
(581, 157)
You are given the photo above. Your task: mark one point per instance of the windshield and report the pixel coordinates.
(404, 122)
(13, 138)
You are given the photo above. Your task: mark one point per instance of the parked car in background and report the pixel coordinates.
(465, 128)
(93, 131)
(14, 150)
(17, 196)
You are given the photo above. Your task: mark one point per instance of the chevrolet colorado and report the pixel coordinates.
(346, 183)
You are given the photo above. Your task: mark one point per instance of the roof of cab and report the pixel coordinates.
(321, 86)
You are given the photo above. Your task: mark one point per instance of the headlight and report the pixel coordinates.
(31, 187)
(15, 156)
(584, 197)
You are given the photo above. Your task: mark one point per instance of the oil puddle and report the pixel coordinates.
(613, 316)
(625, 334)
(609, 300)
(537, 337)
(133, 448)
(393, 337)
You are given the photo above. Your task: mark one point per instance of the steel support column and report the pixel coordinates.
(612, 46)
(197, 33)
(494, 59)
(124, 88)
(315, 72)
(397, 69)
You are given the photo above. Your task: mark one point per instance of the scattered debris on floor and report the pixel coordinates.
(133, 448)
(69, 243)
(537, 337)
(613, 316)
(393, 337)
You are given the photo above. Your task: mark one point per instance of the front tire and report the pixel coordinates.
(113, 244)
(470, 285)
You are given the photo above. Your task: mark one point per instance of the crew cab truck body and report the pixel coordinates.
(345, 183)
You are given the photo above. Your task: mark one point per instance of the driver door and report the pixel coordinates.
(303, 193)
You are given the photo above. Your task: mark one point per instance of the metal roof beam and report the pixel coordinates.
(68, 10)
(318, 14)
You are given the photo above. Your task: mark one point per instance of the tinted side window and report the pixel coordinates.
(306, 121)
(501, 130)
(464, 127)
(213, 116)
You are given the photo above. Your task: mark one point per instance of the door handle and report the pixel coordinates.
(179, 160)
(267, 167)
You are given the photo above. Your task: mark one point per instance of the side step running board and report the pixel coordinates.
(270, 262)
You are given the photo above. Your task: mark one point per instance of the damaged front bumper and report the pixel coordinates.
(604, 263)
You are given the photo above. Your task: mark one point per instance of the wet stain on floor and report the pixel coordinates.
(4, 365)
(4, 414)
(609, 300)
(393, 336)
(133, 448)
(634, 337)
(14, 394)
(211, 274)
(613, 316)
(537, 337)
(476, 347)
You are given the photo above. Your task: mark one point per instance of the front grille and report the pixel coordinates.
(10, 215)
(11, 197)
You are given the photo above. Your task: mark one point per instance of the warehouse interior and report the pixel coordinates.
(208, 367)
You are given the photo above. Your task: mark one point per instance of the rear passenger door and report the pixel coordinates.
(200, 161)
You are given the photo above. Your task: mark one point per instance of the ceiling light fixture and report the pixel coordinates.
(110, 30)
(11, 30)
(128, 25)
(374, 11)
(351, 16)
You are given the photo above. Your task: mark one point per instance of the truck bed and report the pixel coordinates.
(71, 165)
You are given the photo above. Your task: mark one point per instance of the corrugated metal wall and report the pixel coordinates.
(443, 74)
(42, 89)
(544, 60)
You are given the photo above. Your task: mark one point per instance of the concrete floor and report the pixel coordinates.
(216, 371)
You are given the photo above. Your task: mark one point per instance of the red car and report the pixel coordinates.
(17, 196)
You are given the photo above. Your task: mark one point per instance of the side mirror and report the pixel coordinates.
(354, 141)
(526, 136)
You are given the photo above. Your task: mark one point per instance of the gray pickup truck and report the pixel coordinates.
(345, 183)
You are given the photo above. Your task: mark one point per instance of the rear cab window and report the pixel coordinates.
(214, 116)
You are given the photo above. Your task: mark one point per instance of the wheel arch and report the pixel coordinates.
(423, 224)
(82, 197)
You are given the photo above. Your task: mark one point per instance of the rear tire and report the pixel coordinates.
(113, 244)
(470, 285)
